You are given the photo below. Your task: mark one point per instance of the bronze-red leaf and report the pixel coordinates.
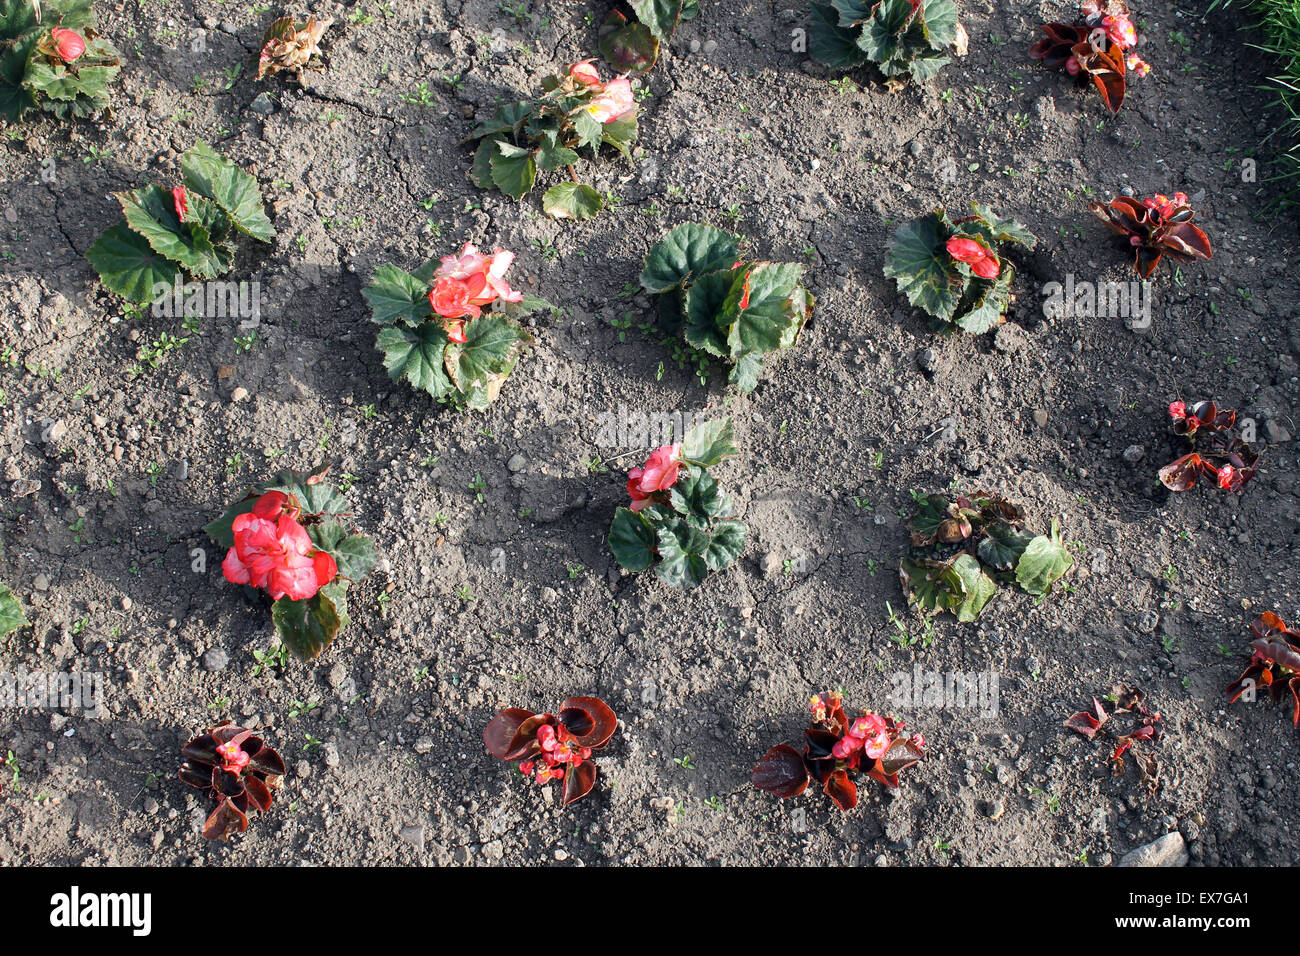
(781, 771)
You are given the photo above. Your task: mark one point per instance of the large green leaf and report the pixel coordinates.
(632, 540)
(690, 249)
(234, 190)
(314, 496)
(883, 33)
(621, 133)
(513, 169)
(11, 612)
(708, 443)
(830, 43)
(933, 585)
(940, 21)
(308, 627)
(990, 302)
(128, 265)
(706, 300)
(353, 553)
(977, 587)
(993, 227)
(696, 497)
(683, 553)
(479, 366)
(852, 13)
(726, 544)
(1003, 545)
(776, 310)
(568, 200)
(396, 295)
(659, 16)
(80, 93)
(151, 212)
(918, 261)
(15, 99)
(416, 354)
(1044, 562)
(552, 154)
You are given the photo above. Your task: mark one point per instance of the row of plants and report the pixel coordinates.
(840, 750)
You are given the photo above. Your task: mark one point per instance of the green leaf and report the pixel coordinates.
(1044, 562)
(659, 16)
(527, 306)
(80, 93)
(513, 169)
(15, 99)
(396, 295)
(977, 587)
(590, 130)
(775, 313)
(690, 249)
(479, 367)
(234, 190)
(883, 33)
(480, 172)
(707, 320)
(314, 496)
(11, 612)
(709, 443)
(629, 46)
(151, 212)
(128, 265)
(996, 229)
(830, 43)
(1003, 545)
(745, 373)
(416, 354)
(990, 302)
(632, 540)
(696, 497)
(308, 627)
(918, 261)
(851, 13)
(940, 20)
(726, 545)
(683, 553)
(923, 66)
(553, 154)
(508, 119)
(353, 553)
(572, 201)
(621, 133)
(933, 585)
(931, 512)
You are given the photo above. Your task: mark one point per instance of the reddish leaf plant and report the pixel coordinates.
(1218, 452)
(238, 769)
(1274, 664)
(1128, 722)
(1098, 48)
(836, 748)
(1155, 228)
(549, 747)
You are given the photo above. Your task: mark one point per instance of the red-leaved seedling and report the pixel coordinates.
(554, 747)
(1274, 664)
(1129, 722)
(1155, 228)
(1218, 452)
(837, 748)
(238, 769)
(1099, 47)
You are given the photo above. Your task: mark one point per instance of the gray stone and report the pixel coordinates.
(215, 659)
(1134, 454)
(1168, 850)
(414, 835)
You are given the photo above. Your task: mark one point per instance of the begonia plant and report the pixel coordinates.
(836, 749)
(291, 47)
(52, 59)
(238, 770)
(550, 747)
(1217, 451)
(451, 327)
(632, 33)
(293, 538)
(901, 37)
(679, 521)
(1274, 664)
(1154, 228)
(1098, 47)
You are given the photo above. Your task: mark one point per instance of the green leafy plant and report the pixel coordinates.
(293, 537)
(901, 37)
(951, 268)
(11, 612)
(725, 307)
(962, 548)
(631, 43)
(190, 230)
(576, 112)
(53, 60)
(679, 521)
(451, 328)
